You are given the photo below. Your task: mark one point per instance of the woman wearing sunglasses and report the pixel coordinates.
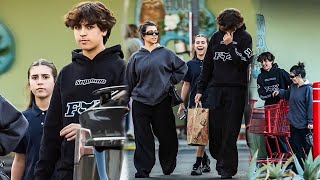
(150, 72)
(272, 78)
(300, 110)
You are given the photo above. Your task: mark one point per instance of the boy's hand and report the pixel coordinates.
(69, 132)
(228, 38)
(275, 93)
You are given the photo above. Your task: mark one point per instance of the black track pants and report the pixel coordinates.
(155, 120)
(224, 127)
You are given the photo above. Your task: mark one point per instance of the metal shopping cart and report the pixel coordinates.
(271, 121)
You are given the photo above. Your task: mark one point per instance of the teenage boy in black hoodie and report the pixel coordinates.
(271, 79)
(225, 74)
(93, 66)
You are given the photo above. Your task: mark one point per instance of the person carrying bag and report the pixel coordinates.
(197, 133)
(13, 125)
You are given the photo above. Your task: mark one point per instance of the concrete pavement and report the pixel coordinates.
(185, 160)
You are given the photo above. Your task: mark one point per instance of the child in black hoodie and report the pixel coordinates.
(93, 66)
(271, 79)
(225, 74)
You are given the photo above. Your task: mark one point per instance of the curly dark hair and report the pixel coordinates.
(230, 19)
(266, 56)
(91, 13)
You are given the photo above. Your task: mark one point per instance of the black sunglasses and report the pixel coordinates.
(293, 76)
(152, 33)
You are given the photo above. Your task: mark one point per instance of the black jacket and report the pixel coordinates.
(227, 65)
(13, 126)
(270, 81)
(72, 95)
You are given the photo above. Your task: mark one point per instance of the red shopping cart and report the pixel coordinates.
(271, 121)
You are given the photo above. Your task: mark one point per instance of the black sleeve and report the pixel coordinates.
(207, 68)
(285, 93)
(179, 68)
(13, 126)
(131, 75)
(309, 104)
(22, 146)
(188, 76)
(51, 140)
(241, 53)
(286, 78)
(263, 94)
(122, 78)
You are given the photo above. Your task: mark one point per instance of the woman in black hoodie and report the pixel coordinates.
(271, 79)
(225, 74)
(93, 67)
(150, 72)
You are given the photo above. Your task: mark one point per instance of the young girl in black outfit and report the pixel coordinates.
(190, 86)
(42, 75)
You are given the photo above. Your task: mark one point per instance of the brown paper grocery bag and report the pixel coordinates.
(197, 127)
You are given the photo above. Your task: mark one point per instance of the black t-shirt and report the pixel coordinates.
(30, 143)
(192, 76)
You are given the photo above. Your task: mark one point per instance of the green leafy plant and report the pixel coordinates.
(279, 170)
(254, 172)
(311, 167)
(272, 170)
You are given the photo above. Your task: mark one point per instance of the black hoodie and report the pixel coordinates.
(149, 74)
(270, 81)
(72, 95)
(226, 65)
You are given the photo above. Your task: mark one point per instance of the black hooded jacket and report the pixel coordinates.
(226, 65)
(72, 95)
(270, 81)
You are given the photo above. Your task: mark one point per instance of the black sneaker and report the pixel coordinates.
(196, 170)
(141, 175)
(206, 165)
(226, 177)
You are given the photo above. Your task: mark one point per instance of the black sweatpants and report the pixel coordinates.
(298, 143)
(155, 120)
(224, 126)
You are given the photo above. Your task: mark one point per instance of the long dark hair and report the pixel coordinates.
(39, 62)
